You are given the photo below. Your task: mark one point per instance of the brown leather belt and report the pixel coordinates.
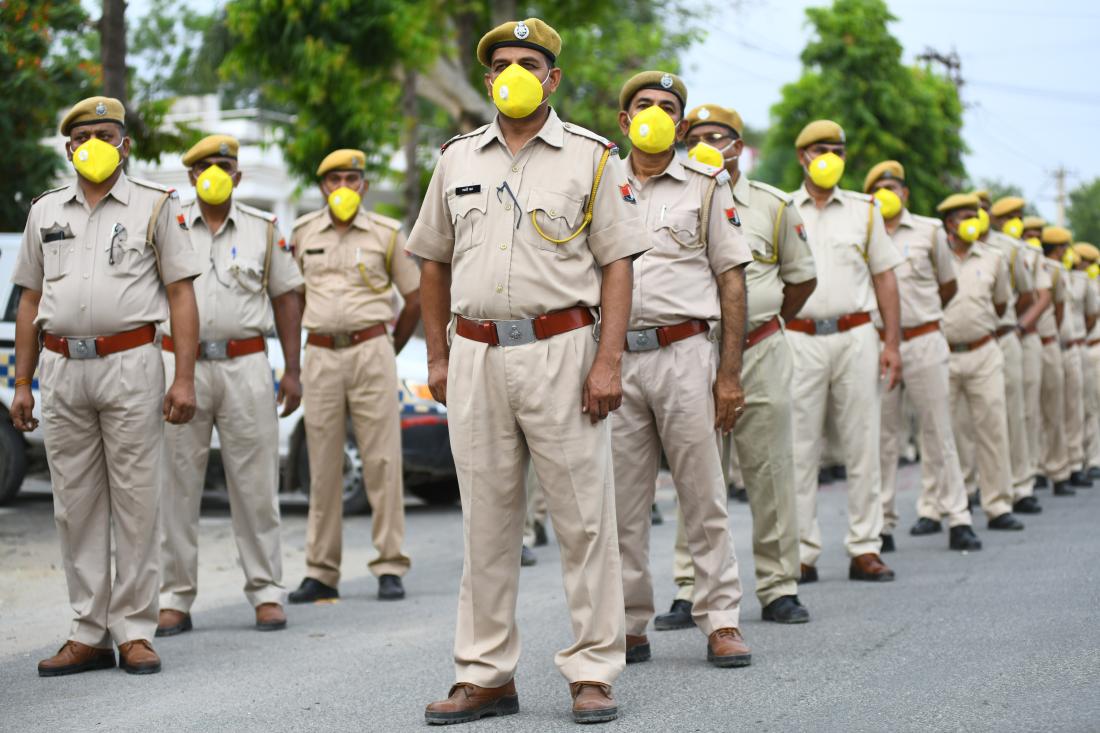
(973, 345)
(344, 340)
(1004, 330)
(1071, 344)
(1094, 342)
(218, 350)
(908, 334)
(761, 332)
(826, 326)
(1047, 340)
(648, 339)
(524, 331)
(95, 346)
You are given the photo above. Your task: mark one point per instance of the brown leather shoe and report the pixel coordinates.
(870, 567)
(138, 657)
(172, 622)
(466, 702)
(727, 648)
(592, 702)
(75, 657)
(270, 617)
(809, 574)
(637, 649)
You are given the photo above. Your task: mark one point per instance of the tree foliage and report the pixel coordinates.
(1084, 212)
(41, 75)
(853, 74)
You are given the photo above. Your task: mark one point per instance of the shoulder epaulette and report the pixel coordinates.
(585, 132)
(47, 193)
(703, 169)
(385, 221)
(306, 218)
(258, 213)
(783, 196)
(471, 133)
(155, 186)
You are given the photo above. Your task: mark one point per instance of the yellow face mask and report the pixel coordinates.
(1093, 271)
(652, 130)
(343, 202)
(1069, 259)
(707, 155)
(517, 92)
(1014, 227)
(889, 203)
(96, 160)
(983, 219)
(1035, 242)
(826, 170)
(214, 186)
(970, 229)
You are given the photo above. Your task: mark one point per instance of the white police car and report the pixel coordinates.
(429, 467)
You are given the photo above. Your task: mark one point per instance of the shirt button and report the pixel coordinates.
(82, 307)
(500, 289)
(508, 207)
(502, 248)
(85, 276)
(553, 213)
(515, 169)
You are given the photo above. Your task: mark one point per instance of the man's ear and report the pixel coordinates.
(488, 85)
(125, 152)
(192, 177)
(554, 81)
(237, 178)
(905, 194)
(624, 123)
(364, 188)
(682, 130)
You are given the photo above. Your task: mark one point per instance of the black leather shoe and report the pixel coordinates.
(1080, 480)
(655, 517)
(1094, 473)
(963, 538)
(1027, 505)
(808, 575)
(924, 526)
(312, 590)
(1062, 488)
(840, 473)
(739, 493)
(974, 501)
(824, 476)
(1006, 521)
(786, 610)
(527, 557)
(540, 534)
(1041, 482)
(887, 543)
(390, 588)
(678, 617)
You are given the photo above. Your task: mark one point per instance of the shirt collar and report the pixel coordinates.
(359, 221)
(194, 213)
(675, 169)
(906, 220)
(801, 196)
(740, 189)
(552, 132)
(120, 191)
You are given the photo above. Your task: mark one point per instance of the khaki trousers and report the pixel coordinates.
(1055, 463)
(508, 405)
(763, 435)
(1033, 417)
(668, 403)
(926, 375)
(536, 508)
(1091, 369)
(102, 420)
(731, 462)
(237, 396)
(1075, 407)
(1023, 478)
(838, 374)
(359, 382)
(977, 385)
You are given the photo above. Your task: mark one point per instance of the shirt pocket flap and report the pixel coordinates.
(461, 206)
(551, 205)
(682, 228)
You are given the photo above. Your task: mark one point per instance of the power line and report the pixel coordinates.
(1056, 94)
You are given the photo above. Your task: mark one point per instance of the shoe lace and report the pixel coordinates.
(728, 633)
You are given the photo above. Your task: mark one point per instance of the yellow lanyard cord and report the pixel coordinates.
(389, 268)
(775, 237)
(587, 211)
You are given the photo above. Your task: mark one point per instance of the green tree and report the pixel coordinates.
(853, 74)
(41, 75)
(1084, 212)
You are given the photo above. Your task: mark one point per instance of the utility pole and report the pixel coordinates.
(951, 63)
(1060, 174)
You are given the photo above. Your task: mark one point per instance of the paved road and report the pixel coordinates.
(1003, 639)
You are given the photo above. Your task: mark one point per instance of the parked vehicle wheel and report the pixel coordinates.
(13, 460)
(436, 493)
(355, 497)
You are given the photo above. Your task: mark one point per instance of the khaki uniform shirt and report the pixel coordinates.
(1073, 316)
(350, 276)
(230, 294)
(1033, 259)
(928, 264)
(675, 281)
(94, 268)
(983, 282)
(1047, 325)
(849, 243)
(780, 250)
(1093, 308)
(1019, 270)
(502, 268)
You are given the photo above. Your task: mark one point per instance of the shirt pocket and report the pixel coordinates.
(468, 212)
(129, 252)
(554, 217)
(248, 274)
(681, 230)
(57, 259)
(920, 264)
(762, 250)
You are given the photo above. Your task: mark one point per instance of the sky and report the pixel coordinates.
(1032, 102)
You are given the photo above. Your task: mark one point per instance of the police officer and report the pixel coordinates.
(353, 262)
(1073, 331)
(976, 363)
(679, 386)
(1055, 462)
(250, 285)
(102, 261)
(779, 279)
(527, 227)
(1088, 256)
(926, 283)
(837, 362)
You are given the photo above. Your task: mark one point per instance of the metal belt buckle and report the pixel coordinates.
(214, 350)
(644, 340)
(515, 333)
(826, 326)
(82, 348)
(341, 340)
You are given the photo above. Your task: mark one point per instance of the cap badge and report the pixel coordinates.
(704, 114)
(223, 149)
(522, 31)
(101, 109)
(666, 81)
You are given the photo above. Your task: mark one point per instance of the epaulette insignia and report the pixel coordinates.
(628, 193)
(732, 216)
(800, 230)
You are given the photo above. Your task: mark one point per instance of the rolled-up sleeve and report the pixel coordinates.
(433, 234)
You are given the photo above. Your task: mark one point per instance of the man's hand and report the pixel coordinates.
(179, 402)
(603, 391)
(889, 362)
(290, 393)
(729, 401)
(437, 379)
(22, 409)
